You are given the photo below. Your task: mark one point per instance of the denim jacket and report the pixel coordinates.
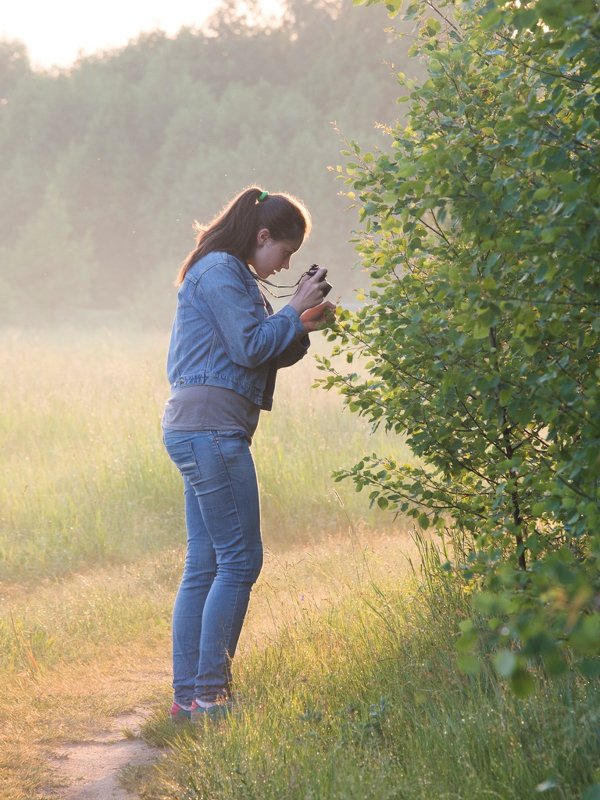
(225, 334)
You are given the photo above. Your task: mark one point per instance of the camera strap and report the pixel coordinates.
(264, 281)
(267, 283)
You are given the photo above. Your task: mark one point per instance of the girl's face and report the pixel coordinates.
(272, 255)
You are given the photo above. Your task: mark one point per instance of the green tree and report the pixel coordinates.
(14, 66)
(49, 266)
(141, 141)
(481, 333)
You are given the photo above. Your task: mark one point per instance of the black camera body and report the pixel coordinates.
(325, 285)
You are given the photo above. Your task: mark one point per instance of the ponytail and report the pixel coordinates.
(234, 229)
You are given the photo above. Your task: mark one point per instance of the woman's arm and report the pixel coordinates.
(249, 338)
(294, 352)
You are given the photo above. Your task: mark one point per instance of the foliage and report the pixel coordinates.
(481, 330)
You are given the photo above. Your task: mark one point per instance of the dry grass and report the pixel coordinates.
(92, 532)
(111, 650)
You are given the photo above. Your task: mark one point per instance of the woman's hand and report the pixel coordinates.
(318, 317)
(309, 292)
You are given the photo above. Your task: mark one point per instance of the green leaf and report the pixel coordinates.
(481, 330)
(522, 682)
(432, 27)
(590, 667)
(393, 7)
(592, 792)
(586, 637)
(405, 170)
(505, 663)
(492, 19)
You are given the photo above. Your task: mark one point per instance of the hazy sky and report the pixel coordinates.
(56, 31)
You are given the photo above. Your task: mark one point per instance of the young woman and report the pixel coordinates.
(226, 347)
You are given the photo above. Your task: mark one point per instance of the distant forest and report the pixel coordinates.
(106, 165)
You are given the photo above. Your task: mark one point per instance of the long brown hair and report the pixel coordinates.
(234, 229)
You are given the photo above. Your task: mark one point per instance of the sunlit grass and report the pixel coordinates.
(92, 531)
(347, 668)
(366, 703)
(82, 474)
(78, 650)
(84, 477)
(68, 620)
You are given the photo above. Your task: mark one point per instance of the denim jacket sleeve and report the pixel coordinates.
(297, 350)
(249, 337)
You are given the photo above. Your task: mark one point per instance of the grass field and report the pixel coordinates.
(347, 667)
(366, 703)
(84, 478)
(92, 532)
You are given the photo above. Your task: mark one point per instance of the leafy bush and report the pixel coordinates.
(481, 330)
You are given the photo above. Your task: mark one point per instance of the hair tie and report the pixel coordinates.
(262, 196)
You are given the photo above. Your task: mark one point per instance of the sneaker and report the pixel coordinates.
(179, 714)
(218, 711)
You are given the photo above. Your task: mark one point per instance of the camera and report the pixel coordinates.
(325, 286)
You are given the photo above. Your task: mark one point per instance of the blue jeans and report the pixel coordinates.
(223, 559)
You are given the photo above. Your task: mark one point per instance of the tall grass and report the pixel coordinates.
(73, 619)
(84, 478)
(96, 644)
(366, 703)
(356, 697)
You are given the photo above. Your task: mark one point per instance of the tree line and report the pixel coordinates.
(107, 164)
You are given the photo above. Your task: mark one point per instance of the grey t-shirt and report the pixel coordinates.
(204, 408)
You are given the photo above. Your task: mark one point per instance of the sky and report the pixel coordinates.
(57, 32)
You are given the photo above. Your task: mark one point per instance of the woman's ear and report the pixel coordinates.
(262, 237)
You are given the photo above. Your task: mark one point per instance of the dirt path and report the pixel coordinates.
(93, 768)
(297, 583)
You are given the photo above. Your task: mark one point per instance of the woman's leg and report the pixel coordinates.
(198, 575)
(230, 508)
(220, 470)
